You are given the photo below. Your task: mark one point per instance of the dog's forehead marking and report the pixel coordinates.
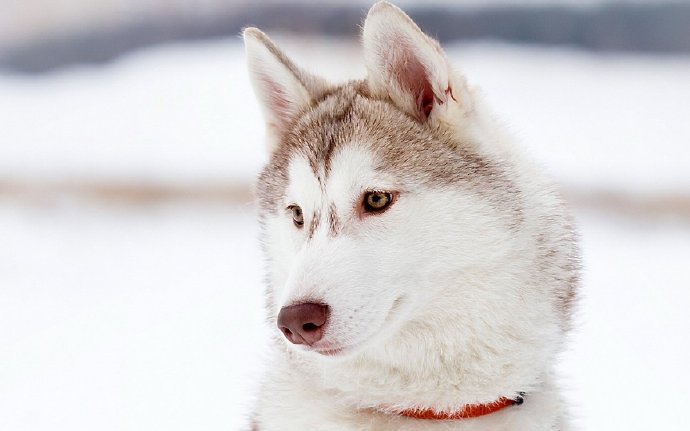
(314, 224)
(333, 221)
(334, 195)
(323, 129)
(340, 114)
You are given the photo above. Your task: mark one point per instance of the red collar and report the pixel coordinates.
(465, 412)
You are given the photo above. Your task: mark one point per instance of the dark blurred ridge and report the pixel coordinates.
(670, 206)
(618, 27)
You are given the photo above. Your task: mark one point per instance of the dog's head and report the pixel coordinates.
(388, 214)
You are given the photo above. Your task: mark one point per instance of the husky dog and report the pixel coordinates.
(421, 272)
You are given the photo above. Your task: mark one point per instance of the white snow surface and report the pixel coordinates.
(150, 317)
(144, 320)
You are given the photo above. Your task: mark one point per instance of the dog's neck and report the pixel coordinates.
(468, 411)
(414, 382)
(426, 366)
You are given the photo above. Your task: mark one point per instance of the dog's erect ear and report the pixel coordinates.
(283, 89)
(403, 63)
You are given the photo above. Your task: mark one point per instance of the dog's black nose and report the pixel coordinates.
(303, 323)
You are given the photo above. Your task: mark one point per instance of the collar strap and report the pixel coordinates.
(467, 411)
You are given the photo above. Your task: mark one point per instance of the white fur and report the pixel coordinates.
(435, 303)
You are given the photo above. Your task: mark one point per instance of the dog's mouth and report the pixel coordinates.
(394, 309)
(332, 349)
(330, 352)
(327, 349)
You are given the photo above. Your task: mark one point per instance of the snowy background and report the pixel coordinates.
(130, 275)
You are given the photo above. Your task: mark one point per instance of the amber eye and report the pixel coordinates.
(376, 201)
(297, 215)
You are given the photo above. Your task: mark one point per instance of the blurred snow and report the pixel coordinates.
(180, 113)
(625, 366)
(614, 121)
(150, 317)
(186, 113)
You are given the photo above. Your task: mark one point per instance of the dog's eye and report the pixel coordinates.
(297, 215)
(376, 201)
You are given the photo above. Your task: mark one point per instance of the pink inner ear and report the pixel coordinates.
(425, 102)
(277, 99)
(411, 75)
